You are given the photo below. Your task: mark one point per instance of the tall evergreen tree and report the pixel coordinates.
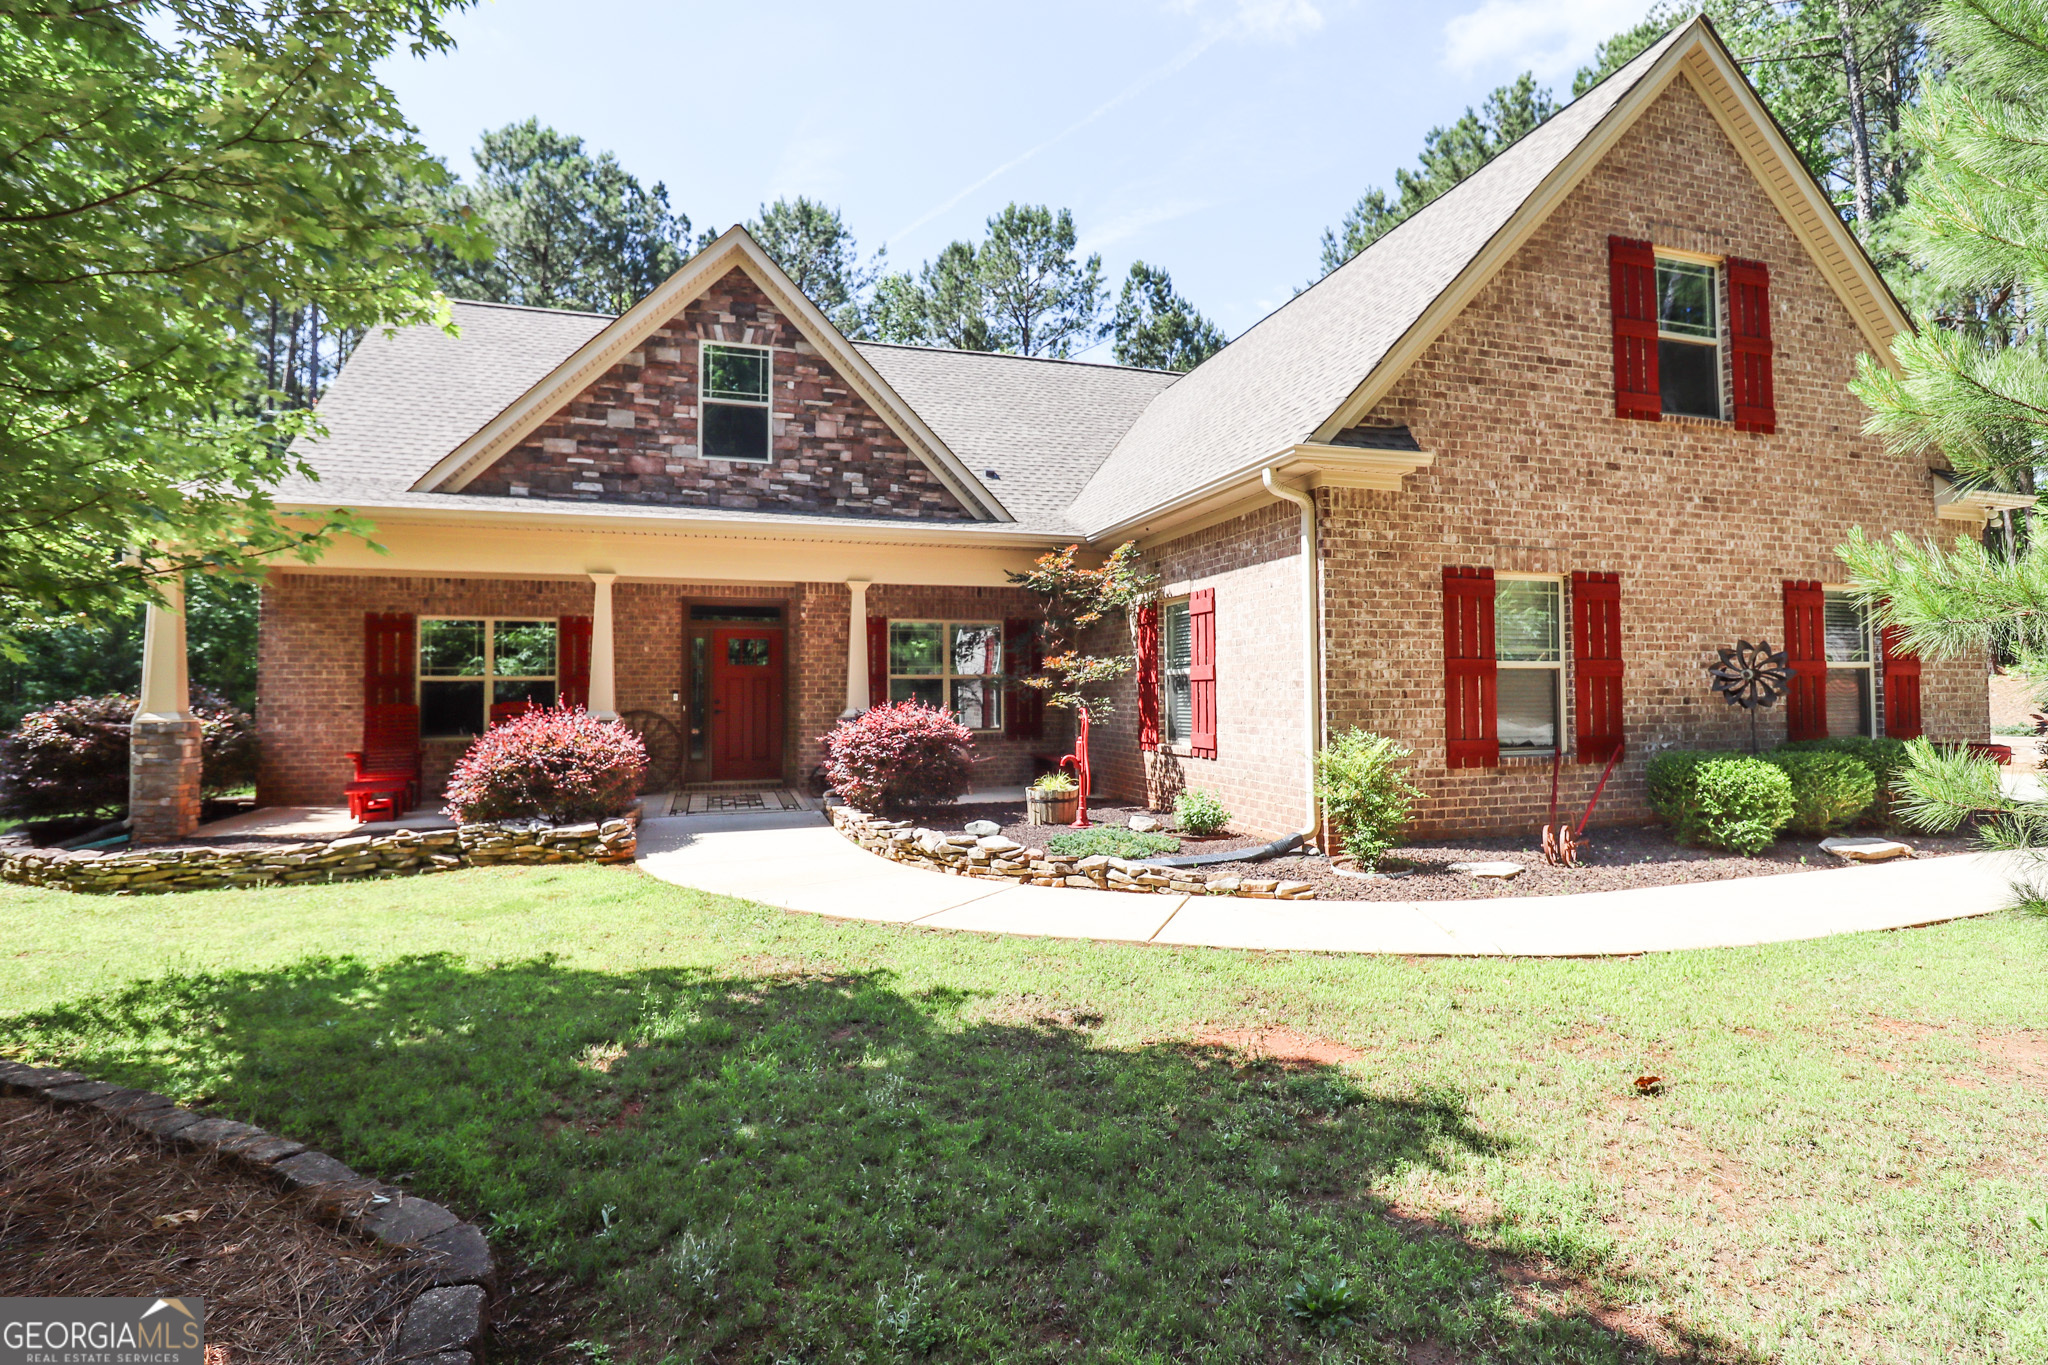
(1020, 290)
(569, 228)
(812, 244)
(1157, 328)
(1449, 155)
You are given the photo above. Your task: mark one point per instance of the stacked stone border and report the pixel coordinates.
(997, 856)
(445, 1322)
(403, 852)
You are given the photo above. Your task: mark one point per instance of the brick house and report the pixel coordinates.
(1499, 487)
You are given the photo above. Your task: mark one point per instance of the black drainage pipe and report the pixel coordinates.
(1284, 844)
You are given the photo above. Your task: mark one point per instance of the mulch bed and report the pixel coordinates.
(89, 1208)
(1612, 859)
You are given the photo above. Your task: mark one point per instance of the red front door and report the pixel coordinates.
(746, 704)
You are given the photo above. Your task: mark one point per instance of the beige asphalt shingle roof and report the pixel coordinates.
(1277, 383)
(1041, 427)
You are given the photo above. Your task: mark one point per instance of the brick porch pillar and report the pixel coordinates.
(163, 741)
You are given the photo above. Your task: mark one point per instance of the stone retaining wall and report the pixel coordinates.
(401, 853)
(444, 1324)
(964, 855)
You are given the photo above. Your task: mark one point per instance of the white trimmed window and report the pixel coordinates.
(1528, 641)
(473, 670)
(955, 665)
(1851, 695)
(1176, 656)
(1689, 337)
(732, 401)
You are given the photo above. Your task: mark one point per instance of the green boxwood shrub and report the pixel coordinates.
(1199, 813)
(1722, 800)
(1886, 758)
(1830, 790)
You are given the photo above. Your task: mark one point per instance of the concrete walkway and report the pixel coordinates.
(794, 860)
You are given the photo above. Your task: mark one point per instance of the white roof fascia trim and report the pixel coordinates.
(1678, 61)
(1321, 465)
(456, 470)
(515, 517)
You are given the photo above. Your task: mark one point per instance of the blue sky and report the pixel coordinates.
(1216, 138)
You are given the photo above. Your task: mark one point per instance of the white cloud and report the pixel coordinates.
(1125, 226)
(1549, 37)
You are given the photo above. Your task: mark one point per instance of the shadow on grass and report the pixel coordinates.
(816, 1168)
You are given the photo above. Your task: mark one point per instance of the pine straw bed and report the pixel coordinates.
(89, 1208)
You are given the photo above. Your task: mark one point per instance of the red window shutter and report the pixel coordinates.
(388, 661)
(878, 661)
(572, 661)
(1596, 663)
(1901, 686)
(1471, 737)
(1632, 277)
(1148, 676)
(1024, 707)
(1202, 671)
(1749, 332)
(1806, 700)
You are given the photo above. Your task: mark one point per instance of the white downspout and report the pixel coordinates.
(1312, 641)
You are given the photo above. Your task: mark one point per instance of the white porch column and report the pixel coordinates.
(857, 699)
(163, 738)
(166, 685)
(603, 701)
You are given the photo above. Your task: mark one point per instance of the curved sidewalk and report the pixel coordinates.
(794, 860)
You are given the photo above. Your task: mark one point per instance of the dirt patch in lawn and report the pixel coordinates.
(1282, 1045)
(89, 1208)
(2021, 1057)
(1614, 859)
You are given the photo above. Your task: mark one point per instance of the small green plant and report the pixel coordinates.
(1199, 813)
(1363, 785)
(904, 1319)
(1885, 757)
(1110, 841)
(1060, 781)
(1830, 791)
(1325, 1301)
(1719, 799)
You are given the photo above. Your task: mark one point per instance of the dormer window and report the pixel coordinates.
(733, 402)
(1689, 338)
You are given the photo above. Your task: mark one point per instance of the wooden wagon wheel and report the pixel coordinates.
(664, 741)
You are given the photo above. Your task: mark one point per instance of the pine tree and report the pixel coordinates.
(814, 247)
(1157, 328)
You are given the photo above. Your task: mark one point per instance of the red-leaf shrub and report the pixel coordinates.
(560, 765)
(893, 756)
(71, 757)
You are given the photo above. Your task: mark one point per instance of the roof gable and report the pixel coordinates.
(1319, 363)
(734, 250)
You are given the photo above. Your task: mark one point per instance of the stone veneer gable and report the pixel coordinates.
(631, 436)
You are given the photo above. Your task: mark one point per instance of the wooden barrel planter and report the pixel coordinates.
(1050, 807)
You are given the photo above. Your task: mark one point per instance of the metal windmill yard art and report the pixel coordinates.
(1751, 676)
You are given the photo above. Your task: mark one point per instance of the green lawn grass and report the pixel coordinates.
(756, 1136)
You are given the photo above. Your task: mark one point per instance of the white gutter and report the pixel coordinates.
(1312, 641)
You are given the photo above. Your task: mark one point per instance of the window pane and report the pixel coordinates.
(930, 691)
(914, 647)
(700, 693)
(1848, 701)
(735, 433)
(1180, 707)
(538, 691)
(978, 704)
(978, 650)
(1527, 708)
(1175, 629)
(524, 649)
(452, 708)
(452, 649)
(736, 372)
(747, 652)
(1842, 621)
(1689, 378)
(1527, 613)
(1685, 299)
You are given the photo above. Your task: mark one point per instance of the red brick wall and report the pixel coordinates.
(632, 435)
(310, 662)
(1535, 474)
